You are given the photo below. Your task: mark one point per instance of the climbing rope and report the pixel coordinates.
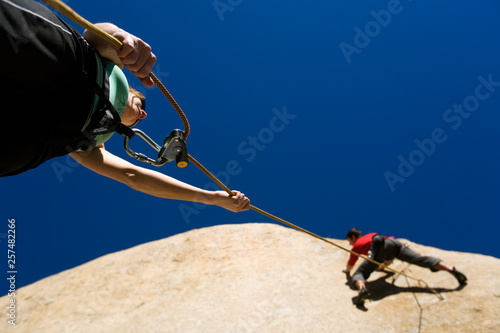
(71, 14)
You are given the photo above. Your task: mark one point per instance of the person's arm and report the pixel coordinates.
(154, 183)
(352, 260)
(135, 54)
(347, 268)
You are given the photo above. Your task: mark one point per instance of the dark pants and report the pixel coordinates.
(388, 250)
(44, 101)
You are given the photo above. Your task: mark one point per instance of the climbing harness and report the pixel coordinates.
(174, 146)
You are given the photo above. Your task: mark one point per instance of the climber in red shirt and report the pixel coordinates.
(383, 250)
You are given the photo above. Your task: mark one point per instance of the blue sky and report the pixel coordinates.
(382, 116)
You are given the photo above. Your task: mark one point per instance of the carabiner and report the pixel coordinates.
(174, 148)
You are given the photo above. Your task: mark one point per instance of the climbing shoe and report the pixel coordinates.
(461, 278)
(363, 295)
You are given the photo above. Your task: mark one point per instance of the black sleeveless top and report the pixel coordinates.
(45, 99)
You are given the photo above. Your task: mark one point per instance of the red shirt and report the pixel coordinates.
(362, 246)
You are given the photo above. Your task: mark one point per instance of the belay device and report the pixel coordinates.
(174, 148)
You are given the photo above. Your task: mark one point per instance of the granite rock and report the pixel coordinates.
(254, 277)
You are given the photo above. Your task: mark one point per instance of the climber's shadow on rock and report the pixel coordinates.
(384, 286)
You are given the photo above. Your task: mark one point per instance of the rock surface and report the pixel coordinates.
(253, 278)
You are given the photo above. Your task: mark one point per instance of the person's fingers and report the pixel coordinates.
(145, 63)
(141, 60)
(242, 202)
(128, 44)
(136, 56)
(147, 81)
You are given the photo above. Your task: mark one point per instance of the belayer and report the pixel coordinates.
(64, 93)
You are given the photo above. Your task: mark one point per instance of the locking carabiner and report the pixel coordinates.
(174, 148)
